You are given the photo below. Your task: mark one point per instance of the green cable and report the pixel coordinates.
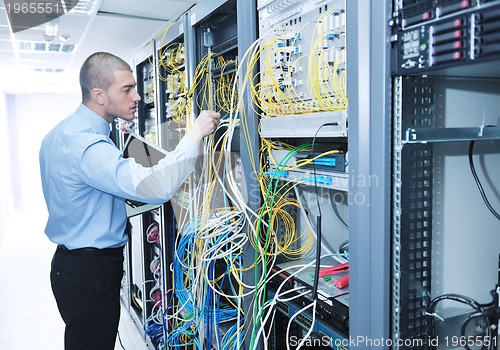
(276, 176)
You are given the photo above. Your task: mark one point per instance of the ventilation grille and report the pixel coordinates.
(48, 70)
(40, 46)
(84, 7)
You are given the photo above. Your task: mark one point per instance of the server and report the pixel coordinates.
(438, 141)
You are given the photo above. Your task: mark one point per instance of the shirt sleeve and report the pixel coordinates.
(103, 167)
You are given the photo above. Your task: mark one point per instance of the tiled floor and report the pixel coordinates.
(29, 318)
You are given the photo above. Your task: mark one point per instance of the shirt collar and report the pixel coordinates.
(94, 119)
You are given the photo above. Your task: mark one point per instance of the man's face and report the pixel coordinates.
(122, 96)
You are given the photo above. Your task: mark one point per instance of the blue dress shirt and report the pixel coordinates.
(85, 181)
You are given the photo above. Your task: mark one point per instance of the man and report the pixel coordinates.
(85, 180)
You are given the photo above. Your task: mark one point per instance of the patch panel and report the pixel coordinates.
(304, 321)
(305, 125)
(331, 180)
(283, 307)
(307, 66)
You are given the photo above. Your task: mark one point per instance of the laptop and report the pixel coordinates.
(146, 154)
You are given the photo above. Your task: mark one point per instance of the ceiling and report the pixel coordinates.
(30, 64)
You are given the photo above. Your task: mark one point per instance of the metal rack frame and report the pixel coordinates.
(369, 134)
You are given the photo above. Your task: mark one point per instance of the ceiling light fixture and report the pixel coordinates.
(64, 37)
(51, 29)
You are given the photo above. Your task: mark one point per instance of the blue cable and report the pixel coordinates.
(186, 243)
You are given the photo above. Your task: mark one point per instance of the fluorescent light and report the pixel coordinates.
(38, 46)
(84, 7)
(51, 29)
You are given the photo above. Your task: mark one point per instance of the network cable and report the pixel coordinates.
(209, 234)
(478, 182)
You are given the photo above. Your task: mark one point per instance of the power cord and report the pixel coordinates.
(336, 211)
(478, 182)
(480, 328)
(318, 219)
(431, 308)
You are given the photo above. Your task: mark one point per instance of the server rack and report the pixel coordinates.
(247, 32)
(444, 94)
(211, 52)
(143, 272)
(173, 84)
(172, 116)
(303, 103)
(146, 73)
(156, 122)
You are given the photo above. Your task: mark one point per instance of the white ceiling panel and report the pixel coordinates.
(122, 27)
(73, 22)
(159, 9)
(4, 35)
(33, 34)
(7, 58)
(108, 24)
(120, 40)
(6, 45)
(40, 62)
(4, 21)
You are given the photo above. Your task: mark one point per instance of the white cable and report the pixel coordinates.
(272, 302)
(309, 331)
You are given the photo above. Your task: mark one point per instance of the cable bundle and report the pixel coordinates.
(197, 286)
(216, 224)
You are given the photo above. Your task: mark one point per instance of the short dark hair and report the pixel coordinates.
(98, 72)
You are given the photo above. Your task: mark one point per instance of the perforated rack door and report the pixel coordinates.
(412, 214)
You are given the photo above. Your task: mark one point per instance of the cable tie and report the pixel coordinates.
(481, 127)
(280, 173)
(434, 315)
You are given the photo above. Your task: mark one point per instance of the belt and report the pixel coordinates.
(91, 251)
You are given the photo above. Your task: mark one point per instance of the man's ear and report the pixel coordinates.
(98, 95)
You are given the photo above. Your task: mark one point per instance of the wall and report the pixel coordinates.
(465, 237)
(25, 251)
(4, 175)
(29, 118)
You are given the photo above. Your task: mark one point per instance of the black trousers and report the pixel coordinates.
(86, 286)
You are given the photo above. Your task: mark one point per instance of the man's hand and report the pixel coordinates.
(205, 124)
